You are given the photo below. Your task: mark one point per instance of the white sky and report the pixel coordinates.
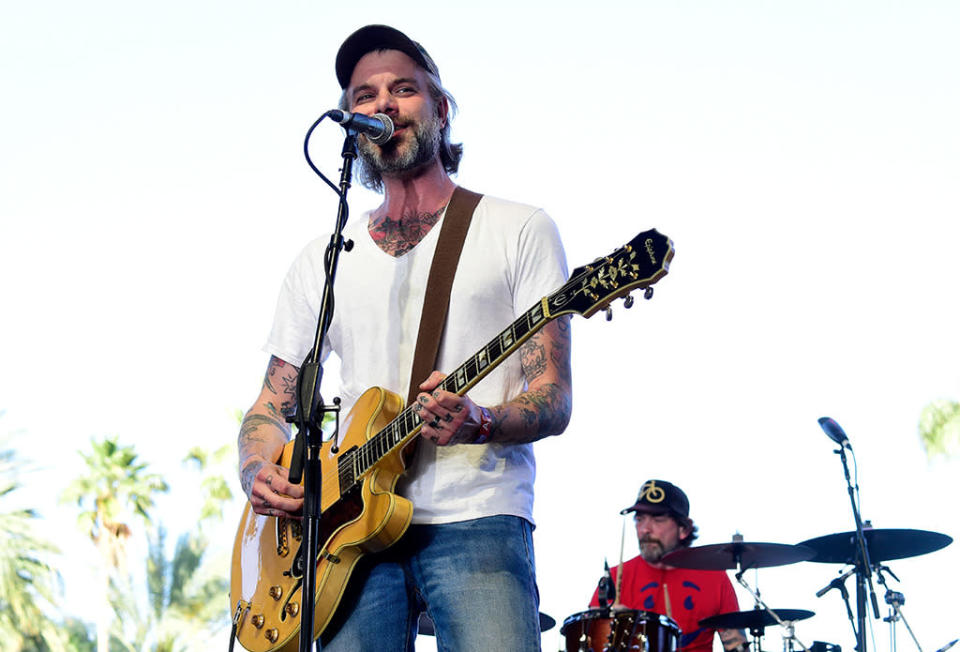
(803, 156)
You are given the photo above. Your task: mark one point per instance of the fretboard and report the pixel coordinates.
(354, 464)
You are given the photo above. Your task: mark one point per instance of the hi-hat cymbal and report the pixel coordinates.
(426, 627)
(753, 619)
(882, 545)
(726, 556)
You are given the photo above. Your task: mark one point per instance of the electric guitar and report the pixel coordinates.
(360, 513)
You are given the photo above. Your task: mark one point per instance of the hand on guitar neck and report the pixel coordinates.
(540, 411)
(449, 418)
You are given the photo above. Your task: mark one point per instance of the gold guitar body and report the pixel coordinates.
(265, 589)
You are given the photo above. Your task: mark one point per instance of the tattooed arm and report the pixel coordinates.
(542, 410)
(263, 434)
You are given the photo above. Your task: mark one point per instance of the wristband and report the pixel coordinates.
(483, 433)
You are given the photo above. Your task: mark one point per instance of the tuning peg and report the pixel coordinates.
(628, 301)
(648, 293)
(609, 312)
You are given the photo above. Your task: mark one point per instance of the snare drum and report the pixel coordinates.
(608, 630)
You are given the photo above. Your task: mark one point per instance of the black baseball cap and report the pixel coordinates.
(660, 497)
(378, 37)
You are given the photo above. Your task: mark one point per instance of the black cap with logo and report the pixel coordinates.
(660, 497)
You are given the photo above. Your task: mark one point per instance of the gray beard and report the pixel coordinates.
(391, 160)
(652, 553)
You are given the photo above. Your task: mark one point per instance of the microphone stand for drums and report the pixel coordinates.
(864, 548)
(861, 563)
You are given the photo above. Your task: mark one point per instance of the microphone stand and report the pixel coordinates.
(862, 563)
(839, 583)
(310, 408)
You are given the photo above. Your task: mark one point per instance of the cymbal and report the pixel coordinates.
(753, 619)
(427, 629)
(724, 556)
(882, 545)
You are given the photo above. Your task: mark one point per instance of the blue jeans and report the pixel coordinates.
(475, 579)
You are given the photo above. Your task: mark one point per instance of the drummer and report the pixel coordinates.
(662, 517)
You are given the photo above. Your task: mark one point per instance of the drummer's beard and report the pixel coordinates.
(652, 550)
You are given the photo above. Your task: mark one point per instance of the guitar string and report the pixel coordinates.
(352, 466)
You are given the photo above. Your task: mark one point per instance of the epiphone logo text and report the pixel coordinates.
(648, 243)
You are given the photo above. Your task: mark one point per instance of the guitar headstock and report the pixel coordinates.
(638, 264)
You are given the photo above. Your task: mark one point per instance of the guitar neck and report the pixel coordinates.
(638, 264)
(353, 464)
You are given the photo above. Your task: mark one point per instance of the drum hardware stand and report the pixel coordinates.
(790, 637)
(896, 600)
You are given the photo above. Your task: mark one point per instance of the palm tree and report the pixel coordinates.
(940, 428)
(115, 489)
(184, 602)
(29, 585)
(184, 591)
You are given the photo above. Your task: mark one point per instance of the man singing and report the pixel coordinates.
(467, 559)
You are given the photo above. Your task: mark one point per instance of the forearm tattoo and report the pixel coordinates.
(545, 409)
(252, 423)
(533, 358)
(248, 475)
(264, 428)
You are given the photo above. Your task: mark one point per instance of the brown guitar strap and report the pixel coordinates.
(453, 231)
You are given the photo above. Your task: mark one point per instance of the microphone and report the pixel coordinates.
(836, 583)
(949, 645)
(377, 127)
(834, 431)
(606, 591)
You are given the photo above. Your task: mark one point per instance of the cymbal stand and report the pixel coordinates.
(896, 600)
(790, 637)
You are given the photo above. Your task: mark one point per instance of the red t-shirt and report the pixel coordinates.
(694, 595)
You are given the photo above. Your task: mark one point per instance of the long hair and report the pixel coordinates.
(450, 153)
(686, 522)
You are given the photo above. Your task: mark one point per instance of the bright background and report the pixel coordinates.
(803, 156)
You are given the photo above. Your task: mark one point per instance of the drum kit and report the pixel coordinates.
(865, 549)
(614, 629)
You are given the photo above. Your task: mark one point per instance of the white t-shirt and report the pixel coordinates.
(511, 258)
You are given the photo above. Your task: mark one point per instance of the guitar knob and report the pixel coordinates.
(276, 592)
(293, 608)
(257, 621)
(272, 635)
